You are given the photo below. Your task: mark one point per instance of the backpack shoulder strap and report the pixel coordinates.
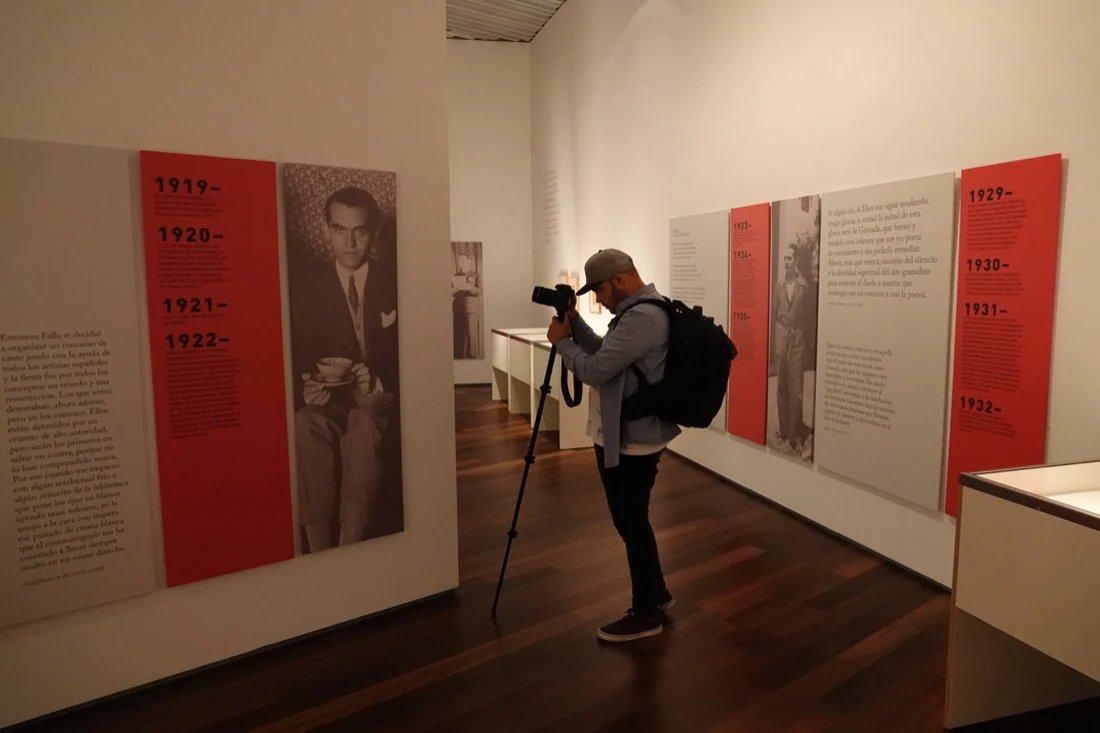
(652, 301)
(667, 306)
(664, 303)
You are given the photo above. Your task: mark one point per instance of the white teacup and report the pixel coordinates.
(333, 368)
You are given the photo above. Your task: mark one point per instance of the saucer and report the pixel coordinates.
(316, 378)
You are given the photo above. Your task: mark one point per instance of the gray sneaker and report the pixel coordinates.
(631, 627)
(665, 600)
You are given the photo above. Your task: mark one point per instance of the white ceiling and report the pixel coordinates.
(498, 20)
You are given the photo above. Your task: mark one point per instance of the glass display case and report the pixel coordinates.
(1026, 592)
(1070, 490)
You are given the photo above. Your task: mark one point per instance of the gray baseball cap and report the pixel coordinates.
(604, 265)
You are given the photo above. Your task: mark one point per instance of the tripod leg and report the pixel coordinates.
(528, 460)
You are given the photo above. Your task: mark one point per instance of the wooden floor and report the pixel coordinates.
(778, 626)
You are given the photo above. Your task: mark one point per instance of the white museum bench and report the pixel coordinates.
(519, 357)
(1025, 612)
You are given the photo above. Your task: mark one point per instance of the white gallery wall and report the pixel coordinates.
(490, 157)
(357, 83)
(646, 110)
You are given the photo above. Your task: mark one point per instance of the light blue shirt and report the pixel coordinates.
(639, 336)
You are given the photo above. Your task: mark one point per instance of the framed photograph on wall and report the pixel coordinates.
(796, 248)
(467, 296)
(341, 228)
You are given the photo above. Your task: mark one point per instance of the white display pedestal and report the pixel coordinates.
(1026, 592)
(519, 357)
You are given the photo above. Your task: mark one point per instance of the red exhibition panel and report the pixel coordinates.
(1008, 254)
(750, 265)
(215, 326)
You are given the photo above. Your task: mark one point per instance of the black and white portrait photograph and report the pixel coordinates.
(341, 226)
(467, 300)
(792, 369)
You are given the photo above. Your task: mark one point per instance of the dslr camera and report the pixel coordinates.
(561, 298)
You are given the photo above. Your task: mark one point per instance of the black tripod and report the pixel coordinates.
(571, 401)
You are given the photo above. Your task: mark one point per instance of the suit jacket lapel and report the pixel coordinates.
(372, 318)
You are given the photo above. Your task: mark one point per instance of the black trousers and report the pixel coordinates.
(628, 487)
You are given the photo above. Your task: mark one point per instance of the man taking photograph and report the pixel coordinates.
(627, 451)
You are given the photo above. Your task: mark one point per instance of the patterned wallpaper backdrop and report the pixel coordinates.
(306, 187)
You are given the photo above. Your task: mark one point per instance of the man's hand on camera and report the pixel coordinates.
(558, 330)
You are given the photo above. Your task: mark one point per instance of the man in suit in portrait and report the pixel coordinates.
(345, 311)
(790, 347)
(466, 308)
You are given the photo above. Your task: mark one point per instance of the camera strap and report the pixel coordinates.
(574, 399)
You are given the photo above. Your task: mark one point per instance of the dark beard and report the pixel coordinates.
(618, 296)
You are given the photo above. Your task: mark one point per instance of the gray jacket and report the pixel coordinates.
(639, 336)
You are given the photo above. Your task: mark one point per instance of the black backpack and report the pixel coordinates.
(697, 370)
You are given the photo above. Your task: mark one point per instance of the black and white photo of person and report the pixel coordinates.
(467, 300)
(796, 247)
(341, 257)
